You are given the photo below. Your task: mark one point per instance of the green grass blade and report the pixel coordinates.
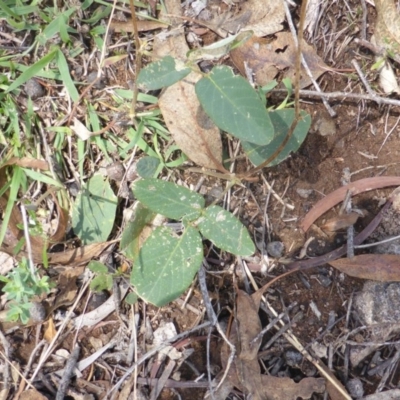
(32, 71)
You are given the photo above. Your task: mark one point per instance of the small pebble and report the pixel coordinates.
(34, 89)
(92, 76)
(115, 171)
(304, 193)
(37, 312)
(97, 300)
(293, 358)
(275, 249)
(355, 387)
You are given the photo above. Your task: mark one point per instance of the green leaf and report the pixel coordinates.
(168, 199)
(101, 282)
(94, 211)
(66, 77)
(146, 167)
(282, 119)
(235, 106)
(130, 240)
(97, 267)
(32, 71)
(162, 73)
(131, 298)
(167, 264)
(225, 231)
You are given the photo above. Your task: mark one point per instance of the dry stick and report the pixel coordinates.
(296, 97)
(331, 112)
(214, 322)
(47, 353)
(6, 367)
(154, 351)
(342, 95)
(68, 372)
(138, 59)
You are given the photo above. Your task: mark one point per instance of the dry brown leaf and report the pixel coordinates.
(357, 187)
(387, 26)
(376, 267)
(263, 17)
(285, 388)
(340, 222)
(50, 330)
(267, 59)
(32, 394)
(245, 373)
(192, 130)
(78, 256)
(188, 124)
(142, 26)
(247, 310)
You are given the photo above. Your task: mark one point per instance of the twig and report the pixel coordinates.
(331, 112)
(68, 373)
(6, 370)
(364, 20)
(364, 79)
(214, 321)
(28, 242)
(342, 95)
(47, 353)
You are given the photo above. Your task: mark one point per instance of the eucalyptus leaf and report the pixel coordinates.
(167, 264)
(282, 119)
(225, 231)
(162, 73)
(168, 199)
(234, 106)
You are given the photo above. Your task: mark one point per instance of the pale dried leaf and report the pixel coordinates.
(263, 17)
(387, 79)
(387, 26)
(142, 26)
(80, 130)
(266, 59)
(188, 124)
(191, 128)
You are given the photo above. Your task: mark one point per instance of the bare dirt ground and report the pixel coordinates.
(317, 304)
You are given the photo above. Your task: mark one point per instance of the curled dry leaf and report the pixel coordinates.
(245, 373)
(188, 124)
(332, 199)
(340, 222)
(268, 58)
(376, 267)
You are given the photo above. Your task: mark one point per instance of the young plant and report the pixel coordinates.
(167, 262)
(235, 107)
(21, 287)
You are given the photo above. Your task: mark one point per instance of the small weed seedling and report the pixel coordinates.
(165, 265)
(21, 287)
